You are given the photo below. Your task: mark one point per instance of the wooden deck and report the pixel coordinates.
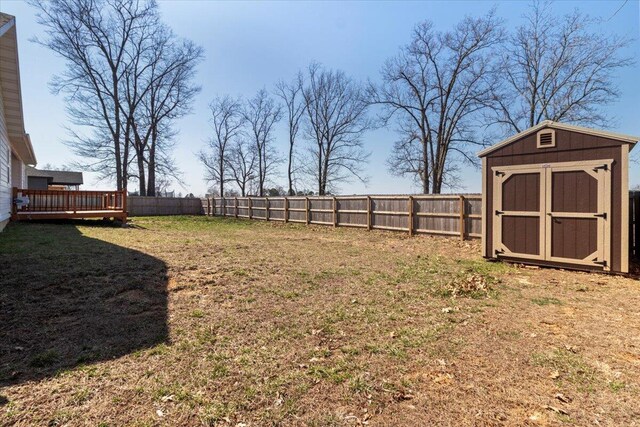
(65, 204)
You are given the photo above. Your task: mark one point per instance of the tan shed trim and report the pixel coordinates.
(624, 206)
(484, 207)
(543, 141)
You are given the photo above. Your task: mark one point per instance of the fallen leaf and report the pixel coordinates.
(402, 396)
(159, 413)
(554, 375)
(562, 398)
(571, 348)
(556, 410)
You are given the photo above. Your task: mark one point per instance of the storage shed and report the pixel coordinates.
(558, 195)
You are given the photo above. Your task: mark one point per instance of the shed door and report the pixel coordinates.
(519, 214)
(578, 213)
(556, 212)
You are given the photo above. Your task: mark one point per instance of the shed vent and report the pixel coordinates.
(546, 138)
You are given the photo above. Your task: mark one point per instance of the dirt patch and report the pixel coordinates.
(281, 324)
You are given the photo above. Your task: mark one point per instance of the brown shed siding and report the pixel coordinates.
(570, 146)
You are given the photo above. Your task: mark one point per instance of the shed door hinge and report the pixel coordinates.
(499, 173)
(603, 167)
(601, 215)
(499, 212)
(602, 263)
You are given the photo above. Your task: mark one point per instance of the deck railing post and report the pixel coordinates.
(124, 201)
(462, 218)
(335, 212)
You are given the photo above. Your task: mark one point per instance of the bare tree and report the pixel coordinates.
(336, 119)
(92, 36)
(128, 77)
(558, 68)
(436, 88)
(166, 93)
(242, 163)
(261, 114)
(291, 95)
(227, 121)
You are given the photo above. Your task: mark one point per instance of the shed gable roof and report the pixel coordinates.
(562, 126)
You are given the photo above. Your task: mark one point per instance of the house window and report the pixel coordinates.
(546, 138)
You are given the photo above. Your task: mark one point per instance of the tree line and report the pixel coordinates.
(446, 93)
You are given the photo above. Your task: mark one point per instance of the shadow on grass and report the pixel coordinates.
(68, 300)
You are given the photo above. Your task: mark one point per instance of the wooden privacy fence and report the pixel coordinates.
(144, 205)
(634, 224)
(454, 215)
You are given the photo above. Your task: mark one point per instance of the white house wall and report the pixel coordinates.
(5, 169)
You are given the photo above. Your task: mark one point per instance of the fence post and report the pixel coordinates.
(335, 211)
(462, 218)
(235, 199)
(306, 207)
(286, 210)
(250, 210)
(266, 204)
(368, 212)
(410, 220)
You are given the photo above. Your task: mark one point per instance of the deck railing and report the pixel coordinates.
(27, 200)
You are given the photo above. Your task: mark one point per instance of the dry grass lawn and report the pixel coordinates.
(191, 321)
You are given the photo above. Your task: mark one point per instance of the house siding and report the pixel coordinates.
(5, 169)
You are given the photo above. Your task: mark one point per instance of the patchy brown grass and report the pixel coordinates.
(201, 321)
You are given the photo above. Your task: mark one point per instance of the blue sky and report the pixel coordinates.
(250, 45)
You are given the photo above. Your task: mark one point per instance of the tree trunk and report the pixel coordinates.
(221, 173)
(290, 168)
(425, 163)
(260, 186)
(151, 166)
(141, 176)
